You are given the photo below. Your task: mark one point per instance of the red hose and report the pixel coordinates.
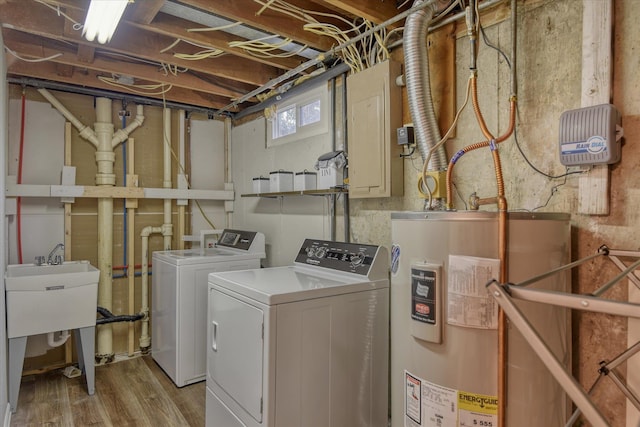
(19, 181)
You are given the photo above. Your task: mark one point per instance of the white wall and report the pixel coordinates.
(287, 221)
(43, 158)
(207, 172)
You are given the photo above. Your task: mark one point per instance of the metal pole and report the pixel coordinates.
(568, 383)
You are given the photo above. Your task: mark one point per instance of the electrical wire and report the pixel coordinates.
(220, 28)
(423, 185)
(532, 166)
(48, 58)
(19, 177)
(77, 26)
(146, 89)
(208, 52)
(554, 190)
(181, 167)
(515, 129)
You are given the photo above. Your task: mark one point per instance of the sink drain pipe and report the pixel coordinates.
(109, 317)
(105, 140)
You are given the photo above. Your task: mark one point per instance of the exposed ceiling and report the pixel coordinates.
(157, 50)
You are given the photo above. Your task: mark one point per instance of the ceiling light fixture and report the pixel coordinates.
(102, 19)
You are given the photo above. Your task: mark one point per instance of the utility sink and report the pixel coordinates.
(49, 298)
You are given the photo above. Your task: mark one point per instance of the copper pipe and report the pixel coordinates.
(476, 108)
(503, 342)
(477, 145)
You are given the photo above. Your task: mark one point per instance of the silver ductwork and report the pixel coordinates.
(418, 86)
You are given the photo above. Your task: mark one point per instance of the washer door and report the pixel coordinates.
(235, 350)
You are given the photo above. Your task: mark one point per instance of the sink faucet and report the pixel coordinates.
(58, 258)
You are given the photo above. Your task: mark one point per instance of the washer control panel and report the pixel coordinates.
(348, 257)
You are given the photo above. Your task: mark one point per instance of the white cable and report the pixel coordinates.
(48, 58)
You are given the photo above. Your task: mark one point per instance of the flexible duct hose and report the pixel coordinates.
(418, 86)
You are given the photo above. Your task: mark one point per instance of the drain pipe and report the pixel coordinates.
(418, 87)
(166, 229)
(64, 336)
(145, 339)
(105, 141)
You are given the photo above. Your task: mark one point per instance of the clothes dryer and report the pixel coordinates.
(305, 344)
(179, 300)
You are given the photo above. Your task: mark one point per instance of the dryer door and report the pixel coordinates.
(235, 350)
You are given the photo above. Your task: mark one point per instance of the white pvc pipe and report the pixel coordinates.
(85, 131)
(64, 336)
(145, 339)
(105, 141)
(121, 135)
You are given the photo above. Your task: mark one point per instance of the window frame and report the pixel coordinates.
(302, 132)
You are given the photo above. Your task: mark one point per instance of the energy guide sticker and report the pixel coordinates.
(428, 404)
(477, 410)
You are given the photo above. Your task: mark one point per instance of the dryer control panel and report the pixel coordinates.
(348, 257)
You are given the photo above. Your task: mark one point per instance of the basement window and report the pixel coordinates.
(299, 117)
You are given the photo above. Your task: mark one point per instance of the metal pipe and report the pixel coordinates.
(514, 43)
(576, 302)
(36, 83)
(626, 272)
(345, 147)
(167, 226)
(568, 383)
(558, 270)
(419, 88)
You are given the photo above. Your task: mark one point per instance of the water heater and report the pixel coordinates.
(444, 339)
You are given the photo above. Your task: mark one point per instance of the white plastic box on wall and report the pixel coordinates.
(330, 168)
(305, 180)
(261, 185)
(280, 181)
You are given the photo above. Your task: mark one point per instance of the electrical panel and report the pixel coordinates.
(374, 104)
(590, 135)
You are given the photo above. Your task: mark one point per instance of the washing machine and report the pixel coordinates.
(179, 300)
(305, 344)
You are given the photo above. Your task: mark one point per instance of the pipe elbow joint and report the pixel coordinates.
(146, 231)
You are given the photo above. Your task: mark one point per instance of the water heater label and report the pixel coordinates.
(468, 301)
(423, 295)
(428, 404)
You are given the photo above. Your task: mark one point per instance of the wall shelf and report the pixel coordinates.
(323, 192)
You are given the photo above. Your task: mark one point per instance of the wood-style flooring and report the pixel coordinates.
(133, 392)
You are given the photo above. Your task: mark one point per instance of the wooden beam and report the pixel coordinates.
(27, 45)
(86, 53)
(95, 192)
(144, 11)
(175, 27)
(269, 21)
(374, 11)
(132, 41)
(64, 70)
(89, 78)
(597, 73)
